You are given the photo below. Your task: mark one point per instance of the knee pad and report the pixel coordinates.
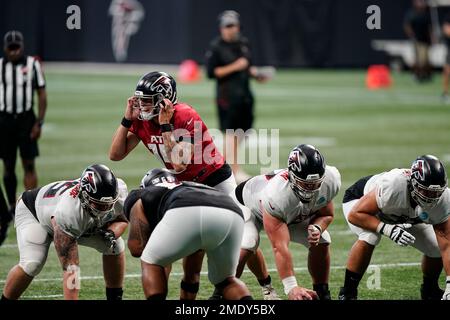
(189, 287)
(31, 268)
(221, 285)
(157, 297)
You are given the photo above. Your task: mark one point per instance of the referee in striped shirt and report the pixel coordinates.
(20, 77)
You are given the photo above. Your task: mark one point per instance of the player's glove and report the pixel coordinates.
(397, 233)
(110, 238)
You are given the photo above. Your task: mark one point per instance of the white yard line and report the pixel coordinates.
(44, 296)
(138, 275)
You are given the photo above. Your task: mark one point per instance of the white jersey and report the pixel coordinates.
(274, 194)
(394, 199)
(60, 200)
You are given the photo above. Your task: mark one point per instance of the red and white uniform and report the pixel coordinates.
(274, 194)
(60, 200)
(187, 126)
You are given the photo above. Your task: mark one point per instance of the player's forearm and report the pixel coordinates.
(364, 220)
(283, 260)
(322, 221)
(118, 149)
(221, 72)
(118, 228)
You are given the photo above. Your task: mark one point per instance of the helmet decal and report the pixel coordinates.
(162, 85)
(294, 161)
(88, 182)
(417, 170)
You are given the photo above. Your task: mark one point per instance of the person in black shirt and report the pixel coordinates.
(417, 26)
(20, 77)
(229, 62)
(171, 220)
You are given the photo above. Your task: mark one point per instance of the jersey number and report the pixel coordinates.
(159, 150)
(61, 186)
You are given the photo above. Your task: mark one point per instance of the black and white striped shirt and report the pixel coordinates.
(17, 84)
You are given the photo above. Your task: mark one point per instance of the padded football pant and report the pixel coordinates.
(34, 241)
(298, 233)
(183, 231)
(425, 242)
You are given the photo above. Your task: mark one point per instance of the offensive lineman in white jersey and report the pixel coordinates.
(411, 207)
(293, 204)
(87, 211)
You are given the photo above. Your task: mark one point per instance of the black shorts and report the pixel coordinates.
(236, 115)
(15, 133)
(356, 190)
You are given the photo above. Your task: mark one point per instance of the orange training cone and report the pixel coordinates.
(378, 76)
(189, 71)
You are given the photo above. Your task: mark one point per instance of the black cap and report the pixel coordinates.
(13, 37)
(228, 18)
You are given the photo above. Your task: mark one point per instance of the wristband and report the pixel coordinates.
(40, 122)
(166, 127)
(126, 123)
(289, 283)
(318, 227)
(380, 227)
(447, 288)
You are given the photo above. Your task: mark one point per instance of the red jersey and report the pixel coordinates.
(188, 127)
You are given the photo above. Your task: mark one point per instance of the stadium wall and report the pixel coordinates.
(283, 33)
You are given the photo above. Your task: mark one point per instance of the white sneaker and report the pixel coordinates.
(269, 293)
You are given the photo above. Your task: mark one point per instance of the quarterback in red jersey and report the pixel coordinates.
(178, 137)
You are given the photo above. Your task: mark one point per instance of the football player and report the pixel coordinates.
(411, 207)
(170, 220)
(177, 136)
(293, 204)
(87, 211)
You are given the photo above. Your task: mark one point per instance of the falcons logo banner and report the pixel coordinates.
(88, 182)
(417, 170)
(127, 16)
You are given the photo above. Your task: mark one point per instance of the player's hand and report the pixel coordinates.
(241, 64)
(166, 111)
(35, 131)
(110, 238)
(314, 234)
(132, 110)
(398, 233)
(299, 293)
